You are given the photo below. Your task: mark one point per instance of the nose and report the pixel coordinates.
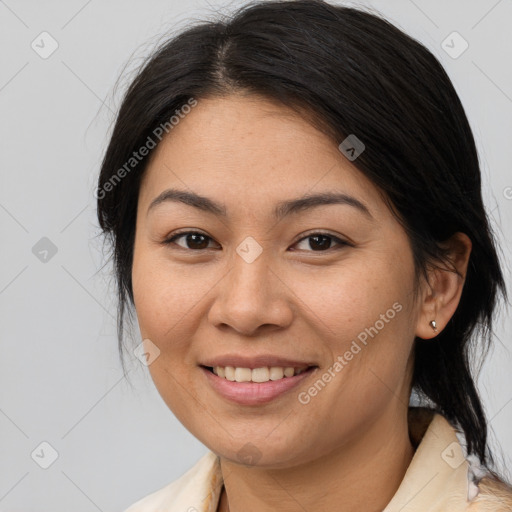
(251, 297)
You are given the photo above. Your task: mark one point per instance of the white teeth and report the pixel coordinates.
(260, 375)
(229, 372)
(243, 374)
(263, 374)
(288, 372)
(276, 373)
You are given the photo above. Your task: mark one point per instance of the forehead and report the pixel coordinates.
(250, 148)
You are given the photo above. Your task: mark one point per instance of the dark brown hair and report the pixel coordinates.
(355, 73)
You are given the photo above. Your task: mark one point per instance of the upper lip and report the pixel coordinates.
(257, 361)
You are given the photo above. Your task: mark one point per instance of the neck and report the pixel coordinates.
(361, 475)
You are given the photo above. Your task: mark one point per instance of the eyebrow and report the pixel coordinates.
(283, 209)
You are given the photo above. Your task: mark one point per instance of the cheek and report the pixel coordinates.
(164, 296)
(361, 313)
(167, 308)
(347, 299)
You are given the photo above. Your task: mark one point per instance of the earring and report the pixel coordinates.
(433, 325)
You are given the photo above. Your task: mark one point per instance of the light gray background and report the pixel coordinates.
(61, 381)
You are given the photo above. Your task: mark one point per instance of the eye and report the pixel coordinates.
(193, 240)
(197, 241)
(321, 242)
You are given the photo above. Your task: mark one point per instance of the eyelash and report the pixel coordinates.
(175, 236)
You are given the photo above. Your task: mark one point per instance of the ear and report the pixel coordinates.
(441, 295)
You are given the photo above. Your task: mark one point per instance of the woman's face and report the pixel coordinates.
(326, 286)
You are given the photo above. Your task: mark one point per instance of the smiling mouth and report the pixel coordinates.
(258, 375)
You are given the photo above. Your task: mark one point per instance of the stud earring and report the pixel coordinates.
(433, 325)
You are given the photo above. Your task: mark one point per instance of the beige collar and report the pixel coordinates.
(435, 481)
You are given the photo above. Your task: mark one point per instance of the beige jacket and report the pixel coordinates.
(439, 478)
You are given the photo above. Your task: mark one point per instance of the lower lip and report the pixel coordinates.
(254, 393)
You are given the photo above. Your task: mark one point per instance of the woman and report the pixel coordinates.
(295, 207)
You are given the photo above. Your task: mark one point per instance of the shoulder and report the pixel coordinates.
(462, 483)
(494, 496)
(191, 491)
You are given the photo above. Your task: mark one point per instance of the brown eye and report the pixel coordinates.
(193, 240)
(196, 241)
(321, 242)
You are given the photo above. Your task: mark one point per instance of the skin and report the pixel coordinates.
(249, 153)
